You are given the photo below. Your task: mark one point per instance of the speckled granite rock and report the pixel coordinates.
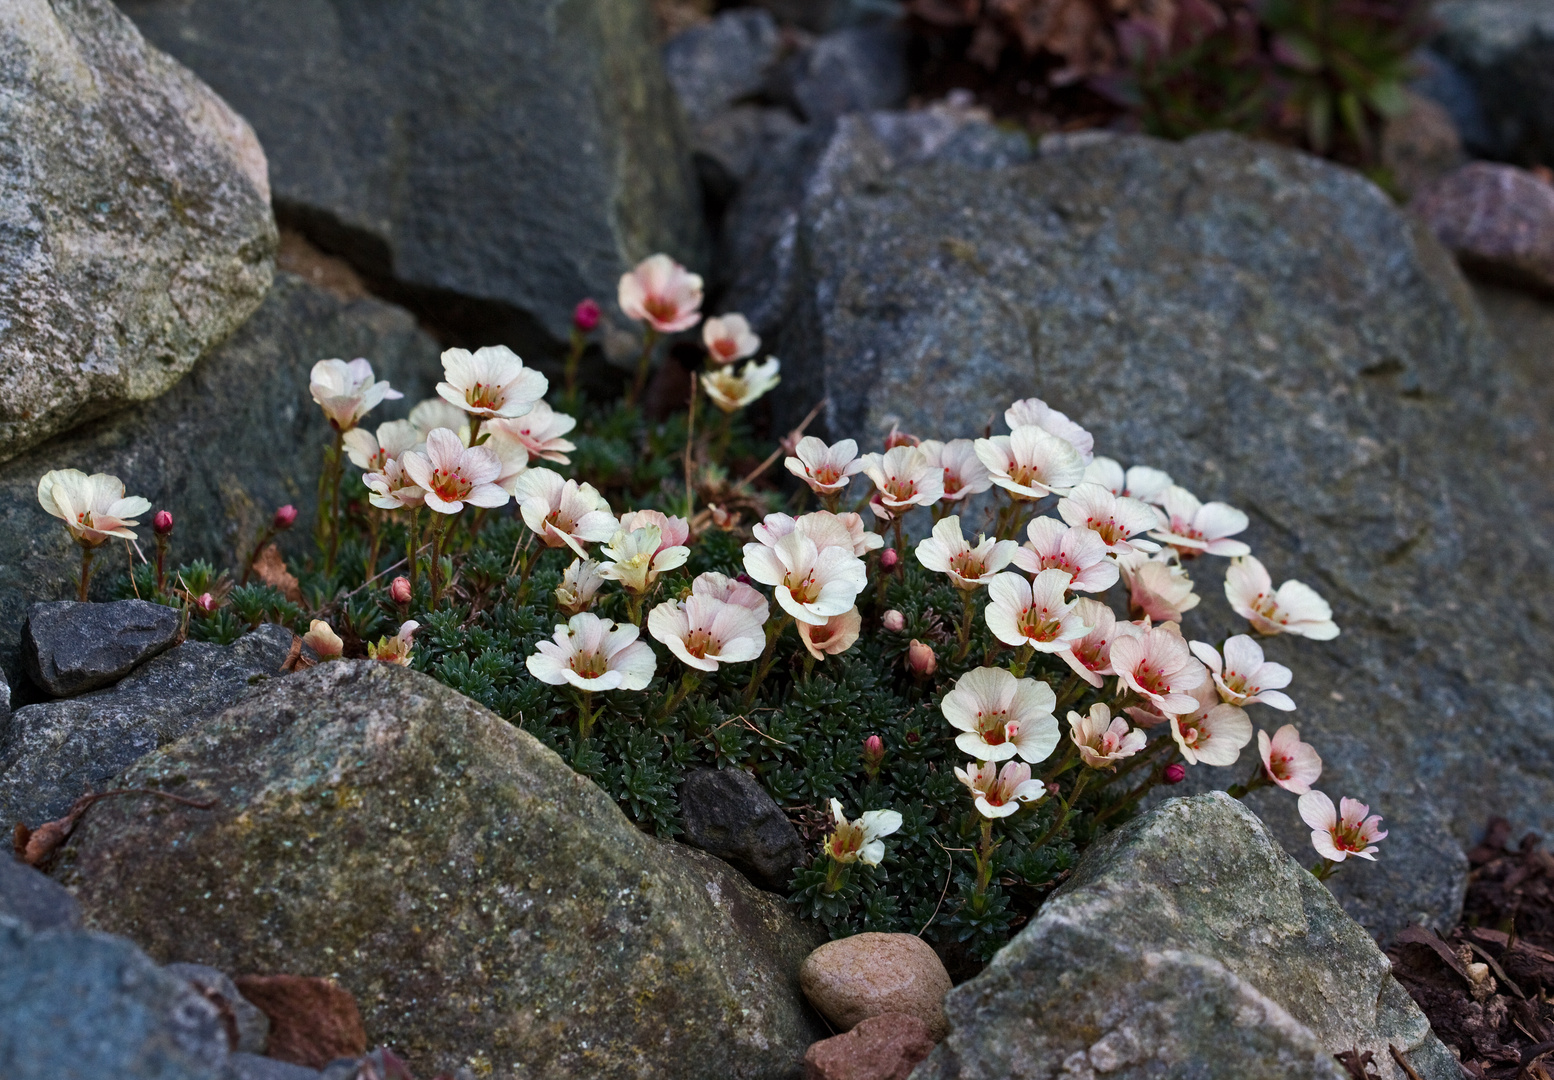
(71, 648)
(1187, 944)
(1505, 48)
(483, 902)
(135, 224)
(33, 899)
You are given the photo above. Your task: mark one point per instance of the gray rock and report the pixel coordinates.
(253, 1067)
(473, 892)
(821, 16)
(733, 145)
(1440, 80)
(252, 1027)
(1274, 333)
(137, 230)
(1186, 944)
(221, 450)
(853, 70)
(51, 753)
(5, 699)
(723, 62)
(1505, 48)
(728, 814)
(70, 648)
(76, 1006)
(513, 153)
(1497, 219)
(33, 899)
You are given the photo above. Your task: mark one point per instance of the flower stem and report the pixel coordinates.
(968, 612)
(836, 877)
(984, 857)
(688, 682)
(336, 470)
(586, 715)
(574, 356)
(1022, 657)
(1142, 758)
(439, 535)
(774, 630)
(1068, 805)
(690, 457)
(86, 572)
(1324, 870)
(644, 363)
(265, 535)
(414, 545)
(1259, 778)
(161, 563)
(725, 436)
(374, 525)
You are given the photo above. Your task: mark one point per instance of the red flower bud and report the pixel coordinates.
(874, 748)
(1175, 773)
(206, 603)
(399, 590)
(1054, 788)
(889, 558)
(920, 659)
(586, 315)
(162, 524)
(893, 621)
(285, 517)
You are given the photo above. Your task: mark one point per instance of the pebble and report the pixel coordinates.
(886, 1047)
(868, 975)
(1497, 219)
(313, 1021)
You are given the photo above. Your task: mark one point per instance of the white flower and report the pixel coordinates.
(1118, 520)
(729, 391)
(512, 456)
(92, 507)
(861, 840)
(1103, 739)
(323, 640)
(705, 632)
(812, 582)
(1080, 551)
(1140, 482)
(564, 512)
(1021, 612)
(392, 488)
(1031, 462)
(1294, 609)
(638, 558)
(1210, 733)
(863, 540)
(947, 552)
(661, 293)
(1289, 763)
(1000, 716)
(1090, 656)
(904, 478)
(731, 591)
(672, 531)
(729, 338)
(964, 473)
(592, 653)
(1157, 590)
(1243, 676)
(579, 585)
(540, 430)
(1034, 411)
(1335, 837)
(453, 474)
(823, 527)
(347, 391)
(1193, 527)
(999, 792)
(826, 469)
(370, 452)
(1158, 665)
(396, 649)
(433, 413)
(833, 637)
(490, 382)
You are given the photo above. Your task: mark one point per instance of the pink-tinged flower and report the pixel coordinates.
(731, 591)
(969, 568)
(672, 531)
(206, 603)
(433, 413)
(399, 590)
(833, 637)
(1158, 591)
(392, 489)
(637, 558)
(861, 840)
(730, 392)
(1158, 665)
(591, 653)
(889, 559)
(324, 642)
(284, 518)
(1243, 676)
(1197, 528)
(1000, 716)
(586, 315)
(93, 508)
(396, 649)
(964, 473)
(897, 437)
(453, 474)
(162, 523)
(1090, 657)
(490, 382)
(1290, 763)
(564, 512)
(705, 632)
(729, 338)
(1038, 412)
(863, 539)
(347, 391)
(1294, 609)
(1337, 837)
(580, 583)
(826, 469)
(904, 478)
(1081, 552)
(661, 293)
(1031, 462)
(1140, 482)
(370, 452)
(512, 456)
(1212, 733)
(812, 582)
(1103, 739)
(1034, 613)
(823, 527)
(920, 659)
(873, 755)
(893, 621)
(999, 792)
(1118, 520)
(540, 430)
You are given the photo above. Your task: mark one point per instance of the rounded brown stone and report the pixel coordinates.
(872, 974)
(886, 1047)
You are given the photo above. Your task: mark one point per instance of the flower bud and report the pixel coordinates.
(1054, 788)
(893, 621)
(897, 437)
(206, 603)
(285, 517)
(399, 590)
(873, 755)
(1174, 773)
(920, 659)
(586, 315)
(162, 524)
(889, 558)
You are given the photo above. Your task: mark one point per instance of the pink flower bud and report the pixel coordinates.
(874, 749)
(897, 437)
(893, 621)
(1175, 773)
(162, 524)
(1054, 788)
(920, 659)
(399, 590)
(206, 603)
(889, 558)
(285, 517)
(586, 315)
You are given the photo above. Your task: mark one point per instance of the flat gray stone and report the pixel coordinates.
(70, 648)
(34, 899)
(856, 69)
(715, 66)
(728, 813)
(1505, 49)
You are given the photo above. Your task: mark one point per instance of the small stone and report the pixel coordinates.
(34, 900)
(716, 64)
(1420, 145)
(248, 1028)
(1498, 219)
(728, 814)
(853, 70)
(872, 974)
(70, 648)
(884, 1047)
(313, 1021)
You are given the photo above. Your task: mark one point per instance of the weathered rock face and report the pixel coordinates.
(71, 648)
(1274, 333)
(1186, 943)
(1506, 49)
(135, 225)
(221, 450)
(34, 900)
(517, 153)
(481, 900)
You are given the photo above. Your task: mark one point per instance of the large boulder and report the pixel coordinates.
(518, 154)
(484, 903)
(1505, 49)
(135, 225)
(1269, 329)
(1186, 944)
(221, 450)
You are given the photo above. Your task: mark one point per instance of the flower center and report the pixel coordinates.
(846, 841)
(827, 474)
(481, 396)
(900, 490)
(590, 665)
(1347, 837)
(968, 565)
(995, 795)
(1025, 475)
(994, 727)
(803, 586)
(1107, 529)
(951, 482)
(661, 308)
(1153, 682)
(1279, 766)
(1038, 624)
(725, 347)
(699, 643)
(450, 486)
